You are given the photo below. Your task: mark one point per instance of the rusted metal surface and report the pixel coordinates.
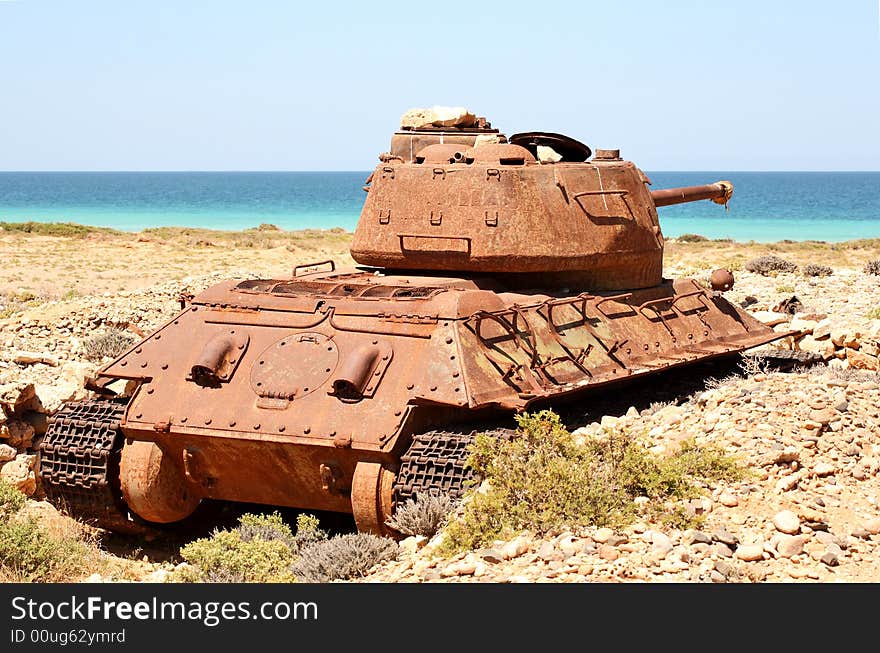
(501, 282)
(721, 279)
(720, 192)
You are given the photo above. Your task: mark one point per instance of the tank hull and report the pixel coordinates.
(322, 380)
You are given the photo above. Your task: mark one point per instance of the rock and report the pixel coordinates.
(858, 360)
(608, 421)
(822, 469)
(802, 324)
(465, 568)
(750, 552)
(788, 522)
(788, 546)
(829, 558)
(491, 555)
(872, 526)
(770, 318)
(19, 473)
(609, 553)
(17, 434)
(697, 537)
(452, 117)
(416, 118)
(437, 116)
(570, 546)
(787, 483)
(32, 358)
(515, 548)
(723, 536)
(721, 549)
(602, 535)
(823, 416)
(15, 396)
(411, 544)
(548, 552)
(822, 330)
(547, 154)
(661, 545)
(728, 499)
(7, 453)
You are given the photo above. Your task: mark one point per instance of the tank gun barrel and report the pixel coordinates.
(719, 192)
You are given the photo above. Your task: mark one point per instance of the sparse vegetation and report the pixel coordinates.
(873, 267)
(770, 263)
(422, 515)
(263, 549)
(547, 479)
(817, 270)
(31, 553)
(692, 238)
(112, 343)
(64, 229)
(226, 557)
(343, 557)
(874, 313)
(785, 288)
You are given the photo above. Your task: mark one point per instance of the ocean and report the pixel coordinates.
(766, 206)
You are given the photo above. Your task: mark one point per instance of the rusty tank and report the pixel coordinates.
(494, 274)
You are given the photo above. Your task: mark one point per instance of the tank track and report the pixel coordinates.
(435, 462)
(79, 464)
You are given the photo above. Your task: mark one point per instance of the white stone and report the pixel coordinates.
(787, 522)
(7, 453)
(19, 473)
(661, 545)
(750, 552)
(788, 546)
(602, 535)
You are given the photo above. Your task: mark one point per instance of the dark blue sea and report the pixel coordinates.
(766, 206)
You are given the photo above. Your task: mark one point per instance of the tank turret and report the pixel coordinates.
(536, 208)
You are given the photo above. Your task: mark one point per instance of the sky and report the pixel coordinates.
(275, 85)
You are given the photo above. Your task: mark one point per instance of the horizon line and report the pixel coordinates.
(233, 170)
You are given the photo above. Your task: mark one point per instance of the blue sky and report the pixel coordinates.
(272, 85)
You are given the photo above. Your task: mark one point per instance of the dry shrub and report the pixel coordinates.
(817, 270)
(111, 343)
(424, 514)
(343, 557)
(769, 263)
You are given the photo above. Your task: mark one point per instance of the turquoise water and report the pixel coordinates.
(766, 206)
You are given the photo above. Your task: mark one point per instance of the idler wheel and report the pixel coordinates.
(371, 497)
(154, 485)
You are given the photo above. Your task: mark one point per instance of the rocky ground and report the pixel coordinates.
(807, 512)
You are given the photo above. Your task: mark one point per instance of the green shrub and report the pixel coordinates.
(423, 514)
(29, 553)
(226, 557)
(11, 500)
(692, 238)
(68, 229)
(769, 263)
(343, 557)
(785, 288)
(260, 549)
(112, 343)
(545, 480)
(874, 313)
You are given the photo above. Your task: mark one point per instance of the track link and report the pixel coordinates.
(79, 464)
(435, 462)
